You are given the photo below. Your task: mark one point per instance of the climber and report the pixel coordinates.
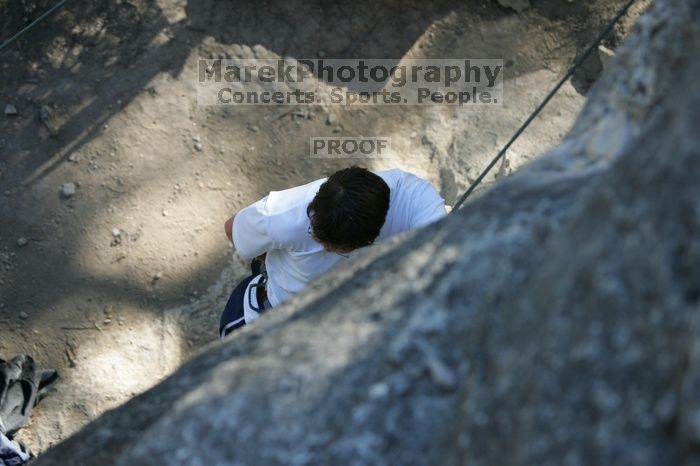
(296, 235)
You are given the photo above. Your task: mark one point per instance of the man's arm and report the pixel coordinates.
(228, 228)
(428, 205)
(248, 231)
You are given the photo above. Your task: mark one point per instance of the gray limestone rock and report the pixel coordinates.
(517, 5)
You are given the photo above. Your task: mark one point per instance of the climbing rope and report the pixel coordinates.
(546, 100)
(33, 23)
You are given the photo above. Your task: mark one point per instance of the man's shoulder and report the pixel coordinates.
(286, 216)
(289, 200)
(391, 174)
(401, 181)
(414, 202)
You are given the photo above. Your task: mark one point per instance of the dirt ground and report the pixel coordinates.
(115, 285)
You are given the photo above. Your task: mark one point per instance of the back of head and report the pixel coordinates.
(349, 209)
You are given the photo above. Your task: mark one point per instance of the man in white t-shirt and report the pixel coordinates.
(300, 233)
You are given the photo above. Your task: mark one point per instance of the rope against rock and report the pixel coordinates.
(544, 103)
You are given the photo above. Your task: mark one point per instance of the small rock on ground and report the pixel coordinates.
(67, 189)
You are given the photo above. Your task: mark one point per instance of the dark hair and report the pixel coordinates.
(349, 209)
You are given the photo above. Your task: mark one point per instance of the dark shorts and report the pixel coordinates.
(233, 316)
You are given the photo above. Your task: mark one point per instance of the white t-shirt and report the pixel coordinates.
(279, 225)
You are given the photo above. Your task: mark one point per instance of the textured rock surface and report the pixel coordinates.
(553, 320)
(517, 5)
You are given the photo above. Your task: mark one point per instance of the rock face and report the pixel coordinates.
(552, 320)
(517, 5)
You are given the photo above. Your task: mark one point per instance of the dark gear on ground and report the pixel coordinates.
(22, 384)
